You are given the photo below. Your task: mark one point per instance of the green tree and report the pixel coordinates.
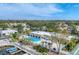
(28, 31)
(15, 36)
(65, 31)
(41, 49)
(20, 28)
(74, 30)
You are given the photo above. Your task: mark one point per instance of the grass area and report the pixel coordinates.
(41, 49)
(71, 45)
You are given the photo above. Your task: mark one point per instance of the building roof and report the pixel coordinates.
(41, 33)
(5, 31)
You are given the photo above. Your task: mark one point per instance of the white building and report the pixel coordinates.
(41, 33)
(7, 32)
(77, 27)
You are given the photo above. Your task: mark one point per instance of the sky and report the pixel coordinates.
(39, 11)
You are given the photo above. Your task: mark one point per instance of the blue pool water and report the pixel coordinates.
(8, 51)
(34, 39)
(11, 50)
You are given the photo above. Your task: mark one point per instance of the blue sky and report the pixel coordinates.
(58, 11)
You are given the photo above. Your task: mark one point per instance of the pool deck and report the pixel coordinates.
(27, 49)
(15, 52)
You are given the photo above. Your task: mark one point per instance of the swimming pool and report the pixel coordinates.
(8, 50)
(34, 39)
(12, 50)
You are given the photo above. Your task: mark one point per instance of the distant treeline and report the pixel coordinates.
(48, 25)
(18, 21)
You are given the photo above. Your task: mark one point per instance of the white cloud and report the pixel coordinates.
(40, 11)
(29, 9)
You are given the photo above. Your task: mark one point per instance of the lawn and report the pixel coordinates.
(71, 45)
(41, 49)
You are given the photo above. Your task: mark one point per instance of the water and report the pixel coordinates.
(3, 52)
(11, 49)
(34, 39)
(8, 51)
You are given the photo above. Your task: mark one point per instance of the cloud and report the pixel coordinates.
(46, 10)
(39, 10)
(17, 10)
(29, 9)
(7, 9)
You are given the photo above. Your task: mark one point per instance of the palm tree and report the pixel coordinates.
(25, 41)
(20, 28)
(42, 43)
(57, 41)
(15, 36)
(28, 31)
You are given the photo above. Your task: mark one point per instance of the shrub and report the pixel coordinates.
(41, 49)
